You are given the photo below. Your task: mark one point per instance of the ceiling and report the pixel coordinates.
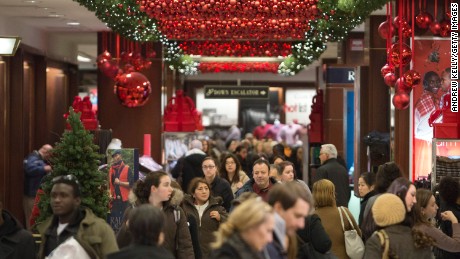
(55, 18)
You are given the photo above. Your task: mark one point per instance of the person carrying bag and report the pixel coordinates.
(317, 248)
(354, 245)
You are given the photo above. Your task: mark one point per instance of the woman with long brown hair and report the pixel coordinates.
(425, 211)
(230, 170)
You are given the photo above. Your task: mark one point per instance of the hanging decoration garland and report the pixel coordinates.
(337, 19)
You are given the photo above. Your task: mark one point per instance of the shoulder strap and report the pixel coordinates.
(384, 242)
(341, 218)
(348, 217)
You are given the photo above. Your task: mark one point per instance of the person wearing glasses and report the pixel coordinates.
(219, 186)
(69, 220)
(230, 170)
(36, 166)
(333, 171)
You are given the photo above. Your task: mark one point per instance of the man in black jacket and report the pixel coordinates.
(15, 242)
(332, 170)
(189, 166)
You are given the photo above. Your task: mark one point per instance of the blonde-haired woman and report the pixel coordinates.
(248, 229)
(326, 209)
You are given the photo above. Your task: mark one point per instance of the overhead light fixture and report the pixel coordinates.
(54, 15)
(81, 58)
(73, 23)
(9, 45)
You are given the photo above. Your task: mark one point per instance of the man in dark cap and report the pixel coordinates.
(120, 181)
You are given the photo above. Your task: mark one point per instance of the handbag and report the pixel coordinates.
(353, 243)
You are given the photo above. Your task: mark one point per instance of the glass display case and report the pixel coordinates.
(445, 159)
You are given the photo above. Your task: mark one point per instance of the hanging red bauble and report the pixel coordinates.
(390, 79)
(126, 56)
(402, 87)
(387, 69)
(399, 21)
(109, 68)
(401, 101)
(412, 78)
(133, 89)
(406, 31)
(396, 58)
(423, 20)
(386, 29)
(105, 55)
(435, 28)
(445, 28)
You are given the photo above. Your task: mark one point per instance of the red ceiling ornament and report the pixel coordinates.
(222, 9)
(232, 19)
(386, 29)
(236, 28)
(236, 48)
(238, 67)
(390, 79)
(401, 100)
(132, 89)
(399, 54)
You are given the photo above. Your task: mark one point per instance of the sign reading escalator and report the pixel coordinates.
(235, 92)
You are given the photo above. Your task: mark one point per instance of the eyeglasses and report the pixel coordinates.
(208, 167)
(229, 163)
(69, 177)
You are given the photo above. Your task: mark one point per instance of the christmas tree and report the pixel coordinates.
(76, 154)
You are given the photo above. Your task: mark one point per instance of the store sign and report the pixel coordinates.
(340, 75)
(235, 92)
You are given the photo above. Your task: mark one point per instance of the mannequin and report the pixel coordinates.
(260, 131)
(289, 133)
(273, 132)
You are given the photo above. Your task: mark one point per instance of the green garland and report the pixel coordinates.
(340, 17)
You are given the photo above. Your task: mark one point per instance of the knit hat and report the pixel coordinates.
(388, 209)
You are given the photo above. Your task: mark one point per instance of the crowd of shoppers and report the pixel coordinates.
(227, 213)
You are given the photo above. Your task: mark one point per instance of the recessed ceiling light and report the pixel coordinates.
(73, 23)
(54, 15)
(31, 1)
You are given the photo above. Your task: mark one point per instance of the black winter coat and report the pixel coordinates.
(141, 252)
(337, 174)
(221, 188)
(15, 242)
(315, 234)
(235, 248)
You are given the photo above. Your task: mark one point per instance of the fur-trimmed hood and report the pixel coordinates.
(176, 198)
